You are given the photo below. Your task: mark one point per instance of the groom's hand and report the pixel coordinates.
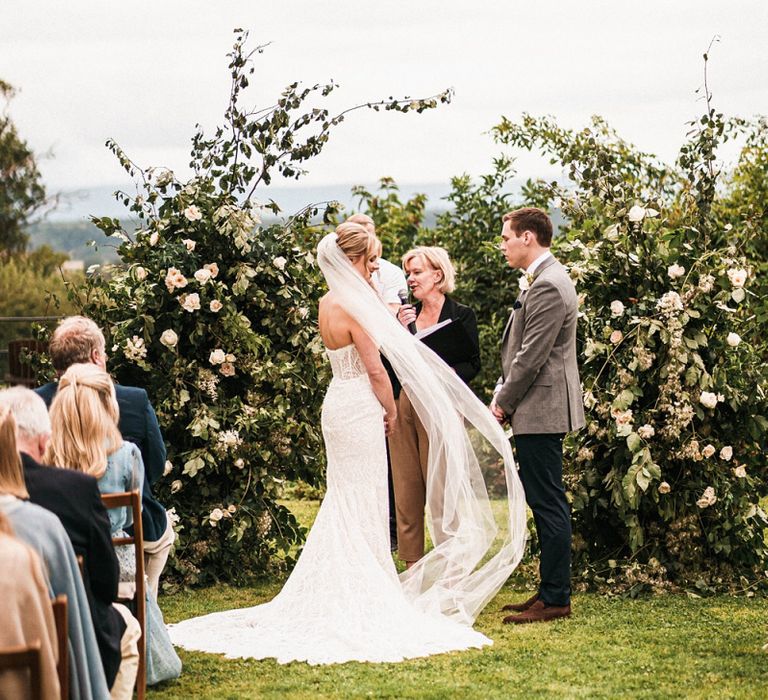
(498, 412)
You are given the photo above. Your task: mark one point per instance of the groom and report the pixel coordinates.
(539, 394)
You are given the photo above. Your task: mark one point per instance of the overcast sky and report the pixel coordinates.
(145, 72)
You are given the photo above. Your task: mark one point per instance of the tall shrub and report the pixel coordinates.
(213, 312)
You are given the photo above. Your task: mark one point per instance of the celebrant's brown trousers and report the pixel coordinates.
(409, 452)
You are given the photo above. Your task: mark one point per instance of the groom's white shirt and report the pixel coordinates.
(535, 264)
(389, 280)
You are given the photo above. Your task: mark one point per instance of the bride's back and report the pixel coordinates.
(334, 323)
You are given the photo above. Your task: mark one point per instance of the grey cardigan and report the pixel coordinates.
(540, 387)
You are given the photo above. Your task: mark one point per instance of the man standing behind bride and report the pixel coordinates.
(539, 395)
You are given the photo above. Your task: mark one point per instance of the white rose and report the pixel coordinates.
(733, 339)
(227, 369)
(153, 238)
(240, 463)
(646, 431)
(708, 498)
(726, 453)
(217, 357)
(523, 283)
(737, 276)
(140, 273)
(708, 399)
(664, 487)
(636, 213)
(193, 213)
(203, 275)
(675, 271)
(169, 338)
(213, 268)
(279, 262)
(190, 302)
(215, 515)
(190, 244)
(740, 471)
(708, 451)
(174, 279)
(168, 468)
(616, 337)
(617, 308)
(216, 306)
(176, 486)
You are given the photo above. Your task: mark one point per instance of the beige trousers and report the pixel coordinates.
(409, 452)
(122, 688)
(155, 557)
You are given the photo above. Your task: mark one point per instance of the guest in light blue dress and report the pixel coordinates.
(85, 436)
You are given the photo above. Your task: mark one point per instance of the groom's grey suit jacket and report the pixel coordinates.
(540, 387)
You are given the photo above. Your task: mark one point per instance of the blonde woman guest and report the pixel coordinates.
(26, 616)
(431, 278)
(85, 437)
(43, 531)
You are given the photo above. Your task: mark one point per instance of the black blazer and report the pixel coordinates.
(74, 497)
(458, 312)
(138, 423)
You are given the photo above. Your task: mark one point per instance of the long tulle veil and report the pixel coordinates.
(472, 556)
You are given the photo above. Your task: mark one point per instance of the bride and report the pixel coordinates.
(344, 600)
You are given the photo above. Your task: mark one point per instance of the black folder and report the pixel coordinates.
(450, 341)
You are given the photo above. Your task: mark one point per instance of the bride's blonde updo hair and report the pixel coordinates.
(355, 240)
(84, 416)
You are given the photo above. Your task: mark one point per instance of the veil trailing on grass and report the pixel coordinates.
(472, 556)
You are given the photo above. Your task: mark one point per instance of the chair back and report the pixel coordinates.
(132, 500)
(59, 604)
(28, 656)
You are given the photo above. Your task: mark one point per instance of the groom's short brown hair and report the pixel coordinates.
(531, 219)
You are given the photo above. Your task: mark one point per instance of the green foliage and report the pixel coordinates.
(670, 469)
(211, 311)
(21, 191)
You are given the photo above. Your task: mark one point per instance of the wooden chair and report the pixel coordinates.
(25, 657)
(19, 371)
(132, 500)
(59, 604)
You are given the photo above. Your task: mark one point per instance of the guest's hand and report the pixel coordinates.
(498, 412)
(406, 314)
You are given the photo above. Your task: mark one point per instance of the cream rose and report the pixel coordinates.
(190, 244)
(169, 338)
(636, 213)
(737, 277)
(675, 271)
(726, 453)
(227, 369)
(616, 337)
(707, 499)
(708, 451)
(174, 279)
(202, 275)
(279, 262)
(617, 308)
(646, 431)
(140, 273)
(664, 487)
(708, 399)
(733, 339)
(153, 238)
(213, 268)
(740, 471)
(217, 357)
(190, 302)
(193, 213)
(215, 306)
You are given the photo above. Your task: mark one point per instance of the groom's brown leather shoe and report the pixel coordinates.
(521, 607)
(539, 612)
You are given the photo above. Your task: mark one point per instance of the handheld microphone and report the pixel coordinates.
(403, 296)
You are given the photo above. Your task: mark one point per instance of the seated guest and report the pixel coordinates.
(43, 531)
(431, 278)
(85, 438)
(78, 339)
(76, 500)
(26, 616)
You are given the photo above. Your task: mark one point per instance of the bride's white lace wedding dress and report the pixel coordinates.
(344, 600)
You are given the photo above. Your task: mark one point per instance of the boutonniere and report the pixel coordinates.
(525, 282)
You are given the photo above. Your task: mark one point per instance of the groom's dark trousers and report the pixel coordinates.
(540, 458)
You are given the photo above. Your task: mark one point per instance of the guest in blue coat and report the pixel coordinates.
(79, 340)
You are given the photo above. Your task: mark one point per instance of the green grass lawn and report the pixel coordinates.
(665, 647)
